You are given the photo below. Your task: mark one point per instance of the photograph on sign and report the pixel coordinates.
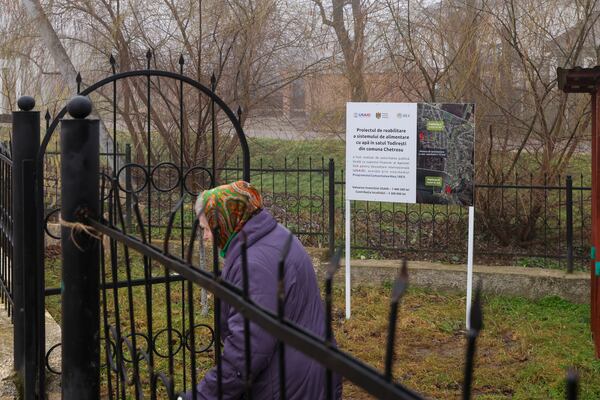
(445, 150)
(410, 152)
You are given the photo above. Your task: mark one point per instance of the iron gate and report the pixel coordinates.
(117, 278)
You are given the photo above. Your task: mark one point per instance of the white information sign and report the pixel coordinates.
(381, 152)
(410, 153)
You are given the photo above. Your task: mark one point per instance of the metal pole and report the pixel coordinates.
(128, 186)
(569, 224)
(25, 144)
(80, 169)
(33, 291)
(331, 206)
(347, 281)
(470, 238)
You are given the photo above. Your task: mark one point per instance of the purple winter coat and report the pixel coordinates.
(305, 378)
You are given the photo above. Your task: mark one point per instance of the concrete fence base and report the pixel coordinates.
(531, 283)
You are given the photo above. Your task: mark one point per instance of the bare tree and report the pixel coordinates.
(62, 61)
(502, 55)
(349, 24)
(252, 48)
(429, 42)
(536, 128)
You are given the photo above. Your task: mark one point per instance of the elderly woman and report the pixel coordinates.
(237, 208)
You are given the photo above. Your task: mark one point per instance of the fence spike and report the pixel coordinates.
(213, 82)
(401, 282)
(476, 323)
(215, 234)
(244, 255)
(181, 59)
(47, 117)
(281, 312)
(148, 58)
(217, 304)
(121, 368)
(400, 286)
(334, 263)
(170, 224)
(78, 80)
(167, 382)
(331, 269)
(138, 217)
(113, 64)
(247, 348)
(476, 314)
(103, 188)
(286, 249)
(116, 194)
(572, 384)
(193, 234)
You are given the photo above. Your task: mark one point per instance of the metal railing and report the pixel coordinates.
(522, 223)
(111, 339)
(6, 227)
(132, 370)
(544, 225)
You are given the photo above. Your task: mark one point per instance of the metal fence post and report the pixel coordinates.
(569, 223)
(25, 145)
(128, 186)
(331, 206)
(80, 169)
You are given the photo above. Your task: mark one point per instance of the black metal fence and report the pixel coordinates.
(6, 227)
(143, 359)
(295, 192)
(122, 156)
(520, 222)
(129, 289)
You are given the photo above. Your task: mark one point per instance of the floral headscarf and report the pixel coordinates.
(228, 207)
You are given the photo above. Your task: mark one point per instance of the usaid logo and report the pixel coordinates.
(362, 115)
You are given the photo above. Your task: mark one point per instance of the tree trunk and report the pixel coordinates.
(62, 61)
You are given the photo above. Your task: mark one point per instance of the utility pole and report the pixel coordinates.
(587, 80)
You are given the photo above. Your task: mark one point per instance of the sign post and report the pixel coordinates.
(409, 153)
(348, 283)
(470, 264)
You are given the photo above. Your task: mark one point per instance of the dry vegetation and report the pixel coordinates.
(500, 54)
(523, 352)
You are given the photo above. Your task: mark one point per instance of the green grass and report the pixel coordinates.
(539, 262)
(315, 153)
(523, 352)
(274, 151)
(513, 215)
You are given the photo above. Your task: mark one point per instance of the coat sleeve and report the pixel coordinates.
(263, 291)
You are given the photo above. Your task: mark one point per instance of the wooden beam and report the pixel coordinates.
(578, 80)
(587, 80)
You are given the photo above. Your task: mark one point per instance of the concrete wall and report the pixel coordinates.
(531, 283)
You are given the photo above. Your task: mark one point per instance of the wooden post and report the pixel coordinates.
(595, 256)
(587, 80)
